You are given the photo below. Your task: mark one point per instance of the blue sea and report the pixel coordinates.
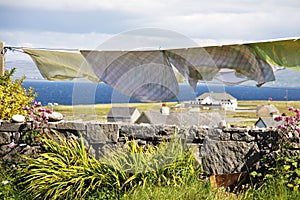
(75, 93)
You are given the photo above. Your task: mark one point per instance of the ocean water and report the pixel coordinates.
(74, 93)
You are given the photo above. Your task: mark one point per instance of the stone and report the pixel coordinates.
(166, 130)
(5, 137)
(242, 136)
(71, 125)
(188, 134)
(215, 133)
(225, 136)
(95, 133)
(10, 127)
(196, 150)
(139, 131)
(111, 131)
(101, 133)
(55, 116)
(202, 132)
(16, 136)
(222, 157)
(18, 118)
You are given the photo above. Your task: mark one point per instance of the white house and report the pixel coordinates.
(213, 100)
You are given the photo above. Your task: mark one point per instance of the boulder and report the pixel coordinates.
(224, 157)
(55, 116)
(18, 118)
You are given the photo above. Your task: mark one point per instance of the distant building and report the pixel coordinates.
(209, 119)
(214, 100)
(266, 122)
(123, 114)
(268, 110)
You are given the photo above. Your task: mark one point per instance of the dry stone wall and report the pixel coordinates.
(219, 151)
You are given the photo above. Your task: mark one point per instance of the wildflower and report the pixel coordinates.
(26, 108)
(297, 116)
(41, 109)
(287, 119)
(36, 124)
(48, 111)
(12, 145)
(269, 145)
(278, 118)
(283, 114)
(290, 108)
(297, 129)
(5, 182)
(292, 121)
(37, 104)
(282, 127)
(45, 116)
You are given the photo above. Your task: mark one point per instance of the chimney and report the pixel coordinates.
(164, 110)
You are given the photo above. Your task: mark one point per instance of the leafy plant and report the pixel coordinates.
(167, 164)
(13, 97)
(67, 170)
(39, 117)
(282, 163)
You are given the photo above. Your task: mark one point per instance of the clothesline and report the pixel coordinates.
(151, 74)
(13, 48)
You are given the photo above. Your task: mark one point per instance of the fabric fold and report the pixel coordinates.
(58, 65)
(144, 75)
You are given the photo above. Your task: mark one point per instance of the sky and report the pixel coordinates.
(82, 24)
(86, 24)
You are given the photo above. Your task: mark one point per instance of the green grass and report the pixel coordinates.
(194, 189)
(8, 184)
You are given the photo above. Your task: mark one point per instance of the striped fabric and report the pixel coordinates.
(148, 75)
(144, 75)
(205, 63)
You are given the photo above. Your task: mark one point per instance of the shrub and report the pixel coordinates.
(67, 170)
(283, 164)
(13, 97)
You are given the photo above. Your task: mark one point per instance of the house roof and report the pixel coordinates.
(266, 110)
(181, 118)
(268, 122)
(216, 95)
(121, 112)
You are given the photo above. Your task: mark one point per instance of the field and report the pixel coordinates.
(245, 115)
